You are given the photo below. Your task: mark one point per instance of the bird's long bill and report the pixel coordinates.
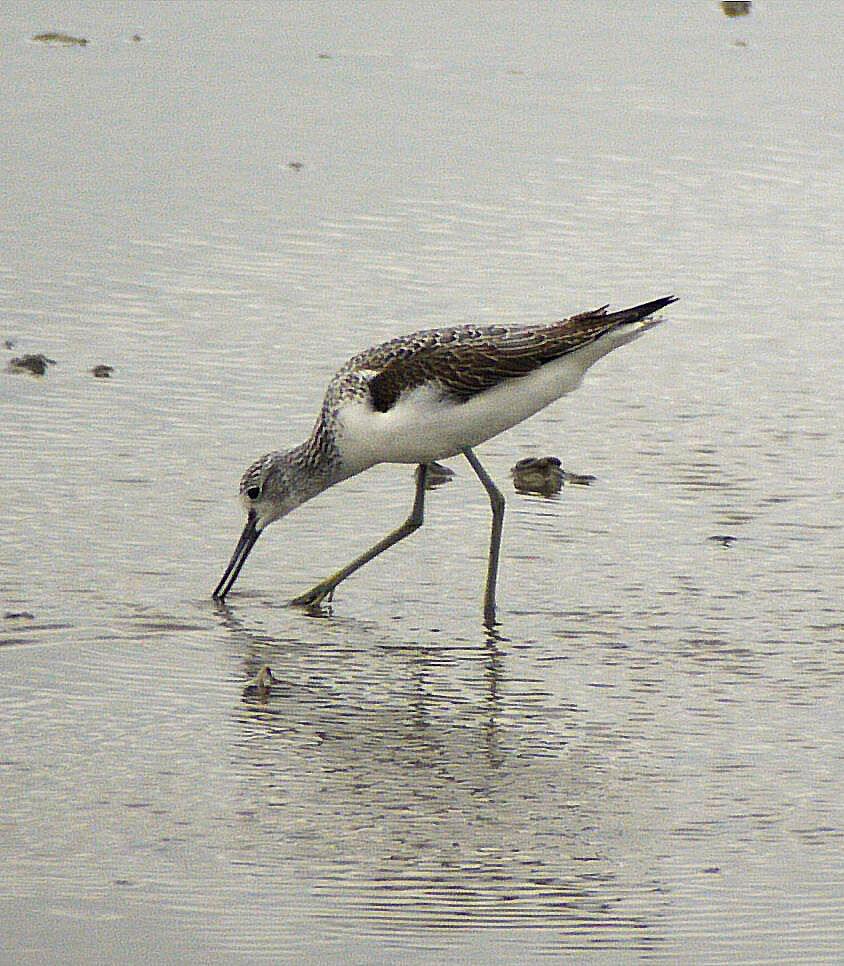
(247, 541)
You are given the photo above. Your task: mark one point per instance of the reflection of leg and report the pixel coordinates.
(325, 588)
(496, 502)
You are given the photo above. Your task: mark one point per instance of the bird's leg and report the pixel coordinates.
(325, 588)
(496, 502)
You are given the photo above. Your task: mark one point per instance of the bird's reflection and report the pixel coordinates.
(413, 696)
(413, 780)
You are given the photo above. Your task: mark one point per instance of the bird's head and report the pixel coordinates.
(268, 491)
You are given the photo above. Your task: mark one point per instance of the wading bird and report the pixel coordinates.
(425, 397)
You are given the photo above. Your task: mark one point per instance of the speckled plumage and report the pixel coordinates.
(467, 359)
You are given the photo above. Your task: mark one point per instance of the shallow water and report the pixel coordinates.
(644, 761)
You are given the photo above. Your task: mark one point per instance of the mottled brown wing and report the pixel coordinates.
(464, 369)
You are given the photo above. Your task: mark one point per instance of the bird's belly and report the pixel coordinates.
(425, 425)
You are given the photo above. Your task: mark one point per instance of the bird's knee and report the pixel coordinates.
(412, 523)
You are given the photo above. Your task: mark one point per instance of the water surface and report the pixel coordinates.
(644, 761)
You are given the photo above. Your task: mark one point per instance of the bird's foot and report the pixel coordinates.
(313, 598)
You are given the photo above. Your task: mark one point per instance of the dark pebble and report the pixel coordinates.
(52, 37)
(725, 539)
(35, 364)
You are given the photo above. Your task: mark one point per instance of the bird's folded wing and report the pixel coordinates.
(464, 368)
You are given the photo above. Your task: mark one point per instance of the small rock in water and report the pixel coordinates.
(736, 8)
(295, 165)
(18, 615)
(544, 475)
(538, 474)
(102, 372)
(136, 38)
(34, 364)
(437, 475)
(9, 344)
(725, 539)
(261, 685)
(53, 37)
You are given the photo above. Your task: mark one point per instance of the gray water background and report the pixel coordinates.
(645, 762)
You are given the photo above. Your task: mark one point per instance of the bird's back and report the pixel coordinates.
(468, 359)
(404, 347)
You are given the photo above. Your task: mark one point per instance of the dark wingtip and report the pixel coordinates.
(648, 308)
(638, 312)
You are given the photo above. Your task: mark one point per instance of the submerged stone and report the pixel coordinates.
(60, 39)
(538, 474)
(36, 365)
(736, 8)
(544, 475)
(725, 539)
(261, 685)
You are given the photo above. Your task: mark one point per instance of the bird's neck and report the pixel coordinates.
(319, 462)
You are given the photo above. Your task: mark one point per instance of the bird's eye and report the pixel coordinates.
(253, 492)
